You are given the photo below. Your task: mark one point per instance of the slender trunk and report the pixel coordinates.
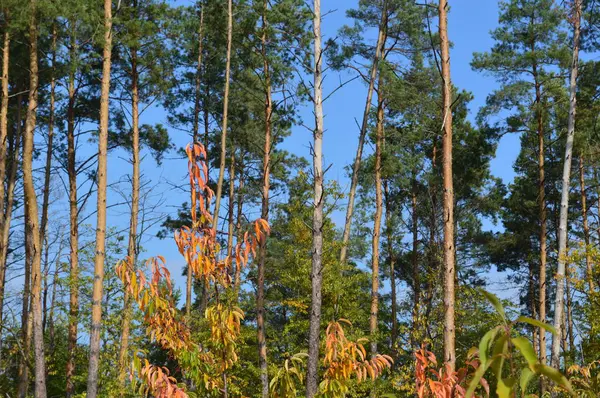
(96, 324)
(532, 306)
(3, 148)
(586, 228)
(238, 228)
(566, 184)
(230, 205)
(391, 254)
(316, 276)
(570, 316)
(48, 169)
(24, 363)
(8, 197)
(363, 132)
(51, 332)
(225, 116)
(197, 94)
(33, 244)
(133, 222)
(376, 222)
(45, 272)
(415, 335)
(73, 220)
(264, 214)
(449, 265)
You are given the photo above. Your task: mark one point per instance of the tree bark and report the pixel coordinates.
(449, 262)
(33, 245)
(415, 267)
(96, 325)
(377, 221)
(225, 116)
(586, 228)
(49, 147)
(73, 219)
(195, 132)
(363, 132)
(566, 184)
(238, 227)
(264, 213)
(230, 205)
(391, 254)
(132, 247)
(316, 276)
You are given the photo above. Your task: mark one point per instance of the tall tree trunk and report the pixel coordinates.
(363, 132)
(377, 221)
(415, 335)
(586, 228)
(225, 116)
(570, 331)
(238, 228)
(73, 219)
(195, 130)
(96, 326)
(5, 212)
(264, 213)
(132, 250)
(51, 330)
(230, 205)
(566, 184)
(449, 263)
(392, 255)
(33, 246)
(316, 276)
(49, 148)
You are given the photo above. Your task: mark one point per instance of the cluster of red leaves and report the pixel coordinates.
(162, 385)
(434, 382)
(344, 358)
(198, 243)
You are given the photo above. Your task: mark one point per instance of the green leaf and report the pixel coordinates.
(476, 379)
(484, 344)
(526, 349)
(506, 387)
(496, 303)
(500, 349)
(554, 375)
(536, 323)
(526, 375)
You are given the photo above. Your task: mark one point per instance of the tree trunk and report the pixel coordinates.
(415, 335)
(363, 132)
(316, 276)
(96, 326)
(48, 169)
(264, 214)
(225, 116)
(566, 184)
(198, 95)
(230, 205)
(377, 221)
(586, 228)
(390, 241)
(73, 220)
(132, 250)
(33, 245)
(238, 227)
(6, 212)
(449, 265)
(51, 330)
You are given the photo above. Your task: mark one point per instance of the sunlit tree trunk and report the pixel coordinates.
(316, 276)
(195, 136)
(363, 132)
(586, 228)
(96, 325)
(132, 245)
(449, 263)
(73, 219)
(264, 213)
(225, 116)
(566, 184)
(33, 247)
(377, 221)
(392, 272)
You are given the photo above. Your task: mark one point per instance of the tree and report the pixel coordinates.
(449, 260)
(96, 325)
(566, 185)
(316, 275)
